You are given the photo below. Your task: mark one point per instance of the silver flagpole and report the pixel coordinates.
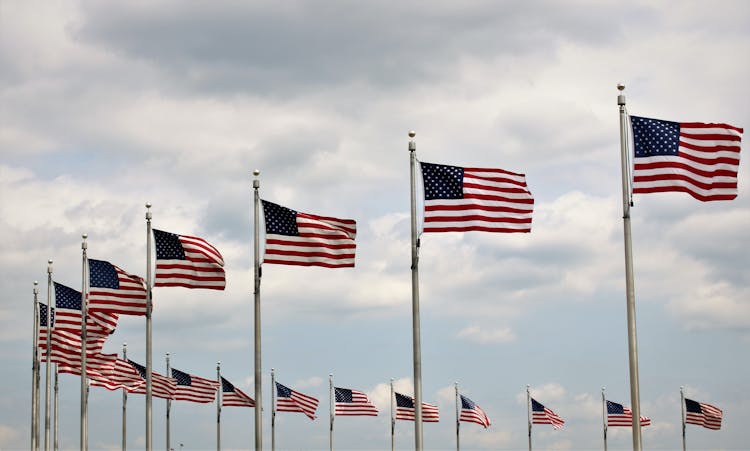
(84, 316)
(393, 420)
(330, 407)
(56, 410)
(417, 347)
(604, 418)
(273, 410)
(458, 421)
(528, 412)
(48, 370)
(124, 402)
(149, 432)
(635, 397)
(682, 404)
(169, 402)
(35, 373)
(218, 406)
(256, 291)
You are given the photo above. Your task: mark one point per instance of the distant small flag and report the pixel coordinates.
(691, 157)
(194, 388)
(703, 414)
(543, 415)
(294, 238)
(123, 375)
(161, 386)
(460, 199)
(187, 261)
(113, 290)
(232, 396)
(405, 410)
(353, 403)
(288, 400)
(619, 415)
(42, 341)
(472, 413)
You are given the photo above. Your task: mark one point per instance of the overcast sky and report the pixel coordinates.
(105, 106)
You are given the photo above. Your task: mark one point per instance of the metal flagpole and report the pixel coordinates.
(35, 372)
(330, 407)
(635, 397)
(528, 412)
(273, 411)
(84, 316)
(417, 347)
(48, 370)
(124, 401)
(218, 406)
(169, 403)
(256, 292)
(56, 410)
(458, 422)
(393, 420)
(604, 418)
(682, 408)
(149, 433)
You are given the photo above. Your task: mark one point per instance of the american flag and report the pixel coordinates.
(353, 403)
(543, 415)
(460, 199)
(68, 306)
(288, 400)
(619, 415)
(232, 396)
(123, 375)
(702, 414)
(194, 388)
(70, 363)
(187, 261)
(472, 413)
(42, 341)
(294, 238)
(405, 410)
(113, 290)
(691, 157)
(161, 386)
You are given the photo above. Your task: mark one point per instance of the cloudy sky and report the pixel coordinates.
(105, 106)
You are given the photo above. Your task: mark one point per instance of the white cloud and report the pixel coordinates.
(476, 334)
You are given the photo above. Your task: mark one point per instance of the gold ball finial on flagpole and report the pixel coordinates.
(620, 87)
(256, 172)
(412, 133)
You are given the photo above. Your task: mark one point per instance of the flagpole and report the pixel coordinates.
(257, 274)
(635, 397)
(682, 408)
(393, 420)
(35, 372)
(273, 411)
(458, 423)
(528, 412)
(330, 400)
(84, 316)
(169, 403)
(218, 406)
(124, 401)
(604, 419)
(149, 435)
(56, 410)
(48, 370)
(417, 347)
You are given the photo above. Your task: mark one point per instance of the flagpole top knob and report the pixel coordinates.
(36, 282)
(412, 133)
(620, 87)
(148, 204)
(85, 235)
(256, 172)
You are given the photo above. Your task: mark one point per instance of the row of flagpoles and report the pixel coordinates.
(696, 158)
